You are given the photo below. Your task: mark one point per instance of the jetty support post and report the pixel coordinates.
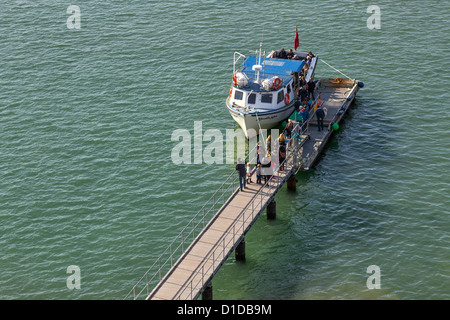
(292, 182)
(272, 210)
(207, 293)
(240, 251)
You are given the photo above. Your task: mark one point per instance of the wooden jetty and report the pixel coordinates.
(336, 95)
(186, 268)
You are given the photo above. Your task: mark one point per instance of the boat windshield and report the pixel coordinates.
(266, 98)
(251, 98)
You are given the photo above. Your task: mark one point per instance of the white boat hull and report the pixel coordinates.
(256, 101)
(251, 122)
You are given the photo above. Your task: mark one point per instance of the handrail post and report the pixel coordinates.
(253, 207)
(146, 280)
(182, 241)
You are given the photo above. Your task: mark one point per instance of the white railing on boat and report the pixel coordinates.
(236, 59)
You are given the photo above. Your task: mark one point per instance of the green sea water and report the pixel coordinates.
(86, 118)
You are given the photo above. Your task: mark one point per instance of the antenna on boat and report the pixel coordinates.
(264, 63)
(258, 67)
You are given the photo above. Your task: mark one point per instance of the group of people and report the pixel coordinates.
(283, 54)
(304, 113)
(307, 64)
(306, 90)
(280, 143)
(263, 164)
(245, 173)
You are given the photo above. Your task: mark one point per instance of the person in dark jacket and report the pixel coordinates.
(311, 87)
(282, 54)
(290, 54)
(303, 94)
(282, 155)
(240, 168)
(301, 81)
(297, 104)
(304, 116)
(320, 115)
(288, 129)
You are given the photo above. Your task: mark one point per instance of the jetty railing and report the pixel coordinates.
(230, 239)
(187, 235)
(182, 241)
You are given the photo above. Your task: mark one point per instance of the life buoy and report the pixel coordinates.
(276, 83)
(231, 90)
(234, 79)
(286, 98)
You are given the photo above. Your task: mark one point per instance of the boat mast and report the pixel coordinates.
(257, 67)
(260, 47)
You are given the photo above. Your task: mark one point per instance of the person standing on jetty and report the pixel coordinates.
(249, 173)
(258, 174)
(240, 168)
(320, 115)
(311, 88)
(304, 116)
(281, 150)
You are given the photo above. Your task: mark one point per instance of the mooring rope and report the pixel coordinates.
(336, 69)
(260, 130)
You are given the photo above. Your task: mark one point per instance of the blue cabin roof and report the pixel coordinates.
(282, 68)
(274, 66)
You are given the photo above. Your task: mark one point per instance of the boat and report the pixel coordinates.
(264, 88)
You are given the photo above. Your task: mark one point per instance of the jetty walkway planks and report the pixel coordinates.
(197, 264)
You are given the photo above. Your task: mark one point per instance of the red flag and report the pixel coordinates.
(296, 41)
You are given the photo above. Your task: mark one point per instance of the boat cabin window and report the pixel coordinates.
(238, 95)
(252, 98)
(266, 98)
(280, 97)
